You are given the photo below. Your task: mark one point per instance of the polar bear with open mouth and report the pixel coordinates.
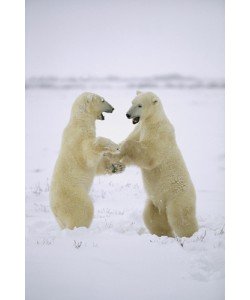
(170, 209)
(82, 156)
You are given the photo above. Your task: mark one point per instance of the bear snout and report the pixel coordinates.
(128, 115)
(110, 110)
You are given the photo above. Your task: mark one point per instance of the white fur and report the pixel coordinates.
(170, 208)
(81, 158)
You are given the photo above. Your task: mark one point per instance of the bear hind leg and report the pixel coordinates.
(78, 212)
(81, 216)
(182, 218)
(156, 221)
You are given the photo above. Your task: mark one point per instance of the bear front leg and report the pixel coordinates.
(102, 145)
(140, 154)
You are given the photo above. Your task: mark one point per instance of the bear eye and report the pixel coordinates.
(139, 105)
(103, 100)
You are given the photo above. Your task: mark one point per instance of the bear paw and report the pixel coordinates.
(117, 167)
(105, 145)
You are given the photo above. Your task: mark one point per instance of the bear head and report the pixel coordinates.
(144, 106)
(91, 104)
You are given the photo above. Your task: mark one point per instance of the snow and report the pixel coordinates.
(117, 258)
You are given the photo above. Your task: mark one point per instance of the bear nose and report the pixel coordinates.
(112, 109)
(128, 116)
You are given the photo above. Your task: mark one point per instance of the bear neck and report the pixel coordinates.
(86, 123)
(158, 117)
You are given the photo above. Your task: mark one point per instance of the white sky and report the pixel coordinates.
(131, 38)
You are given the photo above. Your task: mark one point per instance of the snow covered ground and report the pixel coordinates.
(117, 258)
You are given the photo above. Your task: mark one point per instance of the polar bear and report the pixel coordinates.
(170, 209)
(82, 156)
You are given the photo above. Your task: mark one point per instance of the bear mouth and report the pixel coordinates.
(109, 111)
(136, 120)
(101, 117)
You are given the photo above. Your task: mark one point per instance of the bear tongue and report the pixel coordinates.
(136, 120)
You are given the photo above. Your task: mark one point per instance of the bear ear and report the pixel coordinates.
(155, 101)
(82, 108)
(89, 98)
(138, 93)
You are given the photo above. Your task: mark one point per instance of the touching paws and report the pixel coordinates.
(117, 167)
